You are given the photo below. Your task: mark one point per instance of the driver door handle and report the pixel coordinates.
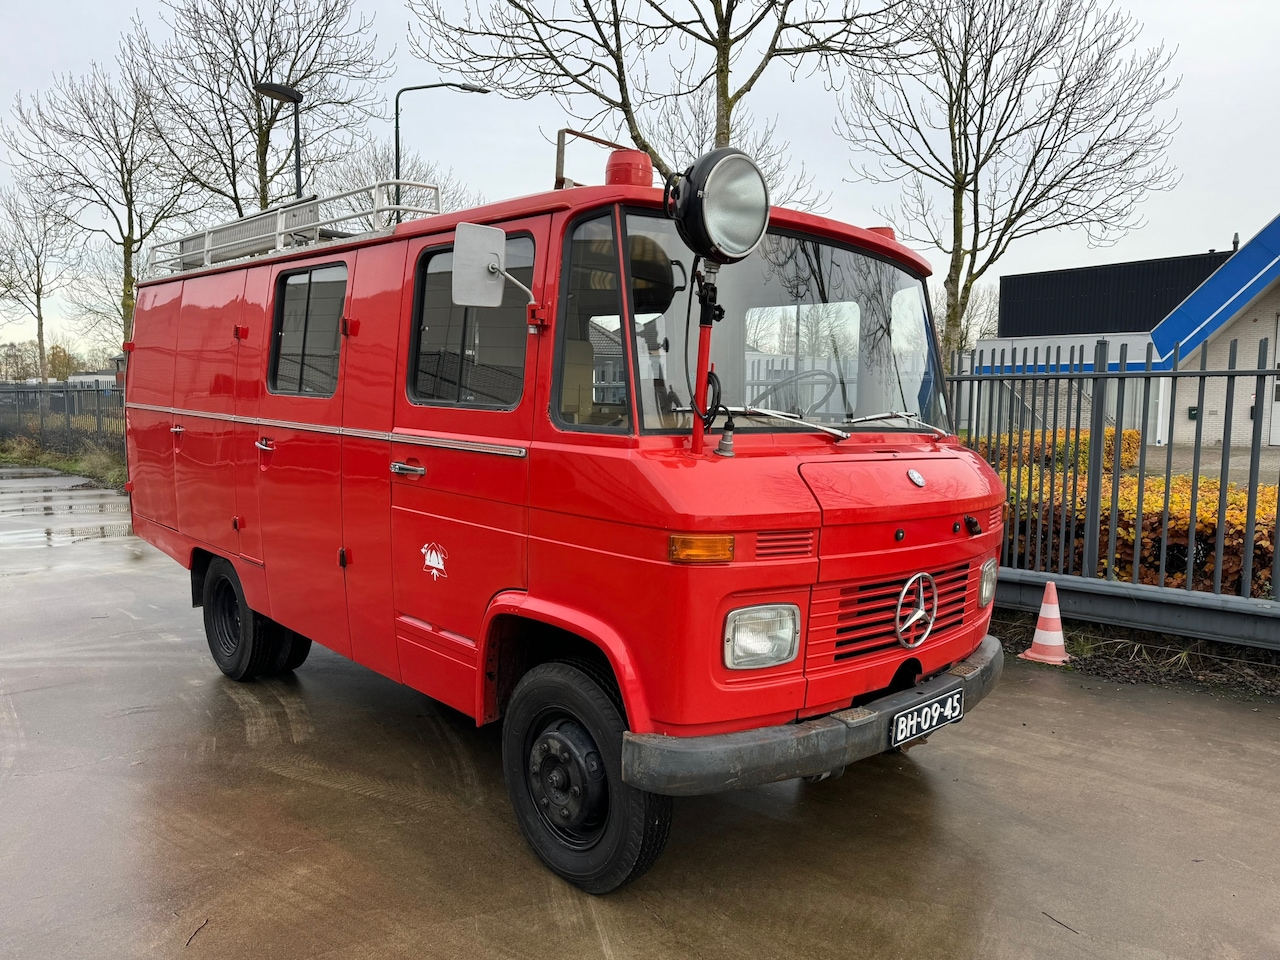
(407, 470)
(265, 445)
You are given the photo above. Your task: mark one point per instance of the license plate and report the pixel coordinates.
(926, 717)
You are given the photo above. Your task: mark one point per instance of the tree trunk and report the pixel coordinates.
(723, 106)
(44, 363)
(264, 186)
(127, 294)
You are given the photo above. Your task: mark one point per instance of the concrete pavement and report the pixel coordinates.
(151, 808)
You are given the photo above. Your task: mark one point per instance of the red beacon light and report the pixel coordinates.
(629, 168)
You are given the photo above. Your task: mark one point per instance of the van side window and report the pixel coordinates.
(307, 335)
(591, 372)
(471, 356)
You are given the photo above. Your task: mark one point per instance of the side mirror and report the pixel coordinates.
(479, 265)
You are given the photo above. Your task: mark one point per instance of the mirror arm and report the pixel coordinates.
(494, 268)
(536, 318)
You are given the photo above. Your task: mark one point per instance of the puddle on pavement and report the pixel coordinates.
(50, 516)
(61, 536)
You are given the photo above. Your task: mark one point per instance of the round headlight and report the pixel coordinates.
(721, 206)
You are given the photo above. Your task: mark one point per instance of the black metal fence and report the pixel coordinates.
(1143, 515)
(64, 418)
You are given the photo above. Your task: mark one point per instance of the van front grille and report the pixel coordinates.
(857, 618)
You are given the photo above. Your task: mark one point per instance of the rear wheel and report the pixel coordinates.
(562, 757)
(240, 640)
(289, 650)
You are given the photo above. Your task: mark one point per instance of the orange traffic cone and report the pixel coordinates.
(1048, 645)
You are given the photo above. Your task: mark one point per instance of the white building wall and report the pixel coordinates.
(1254, 324)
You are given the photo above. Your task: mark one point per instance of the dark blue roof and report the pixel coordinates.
(1111, 298)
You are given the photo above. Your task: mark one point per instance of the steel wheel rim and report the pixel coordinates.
(226, 618)
(588, 811)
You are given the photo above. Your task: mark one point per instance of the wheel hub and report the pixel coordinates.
(567, 779)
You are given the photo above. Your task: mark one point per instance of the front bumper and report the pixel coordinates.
(688, 766)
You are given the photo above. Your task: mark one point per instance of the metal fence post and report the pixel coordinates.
(66, 414)
(1251, 512)
(1093, 490)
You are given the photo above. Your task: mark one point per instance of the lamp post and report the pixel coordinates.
(278, 91)
(467, 87)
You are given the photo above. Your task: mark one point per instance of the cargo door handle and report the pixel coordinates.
(265, 445)
(408, 470)
(177, 429)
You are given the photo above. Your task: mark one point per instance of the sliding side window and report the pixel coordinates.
(308, 331)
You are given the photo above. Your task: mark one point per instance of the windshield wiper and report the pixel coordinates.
(900, 415)
(790, 417)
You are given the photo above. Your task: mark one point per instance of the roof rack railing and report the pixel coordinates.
(303, 222)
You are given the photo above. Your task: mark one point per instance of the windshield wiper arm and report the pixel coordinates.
(900, 415)
(791, 417)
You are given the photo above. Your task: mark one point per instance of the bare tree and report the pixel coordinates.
(375, 162)
(93, 295)
(1013, 117)
(596, 57)
(683, 129)
(981, 320)
(88, 143)
(19, 361)
(35, 241)
(217, 132)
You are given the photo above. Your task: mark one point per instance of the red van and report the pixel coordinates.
(664, 481)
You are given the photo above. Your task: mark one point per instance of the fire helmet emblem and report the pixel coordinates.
(916, 611)
(916, 477)
(433, 558)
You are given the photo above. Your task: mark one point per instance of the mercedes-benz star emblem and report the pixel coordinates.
(916, 611)
(915, 477)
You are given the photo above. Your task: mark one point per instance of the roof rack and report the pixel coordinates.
(303, 222)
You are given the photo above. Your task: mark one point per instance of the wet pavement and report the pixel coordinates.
(151, 808)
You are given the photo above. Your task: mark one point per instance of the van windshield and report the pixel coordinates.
(812, 330)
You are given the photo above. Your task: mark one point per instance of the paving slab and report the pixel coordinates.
(151, 808)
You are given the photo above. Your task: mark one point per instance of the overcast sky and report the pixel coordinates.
(1226, 149)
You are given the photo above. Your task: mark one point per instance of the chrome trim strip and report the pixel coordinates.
(448, 443)
(439, 442)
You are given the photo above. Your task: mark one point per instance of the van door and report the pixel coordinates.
(459, 487)
(299, 449)
(204, 408)
(379, 304)
(149, 387)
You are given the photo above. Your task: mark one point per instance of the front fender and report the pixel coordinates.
(591, 629)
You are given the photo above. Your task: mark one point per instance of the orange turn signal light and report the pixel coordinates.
(700, 548)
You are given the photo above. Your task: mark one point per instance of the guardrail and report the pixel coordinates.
(1141, 516)
(64, 418)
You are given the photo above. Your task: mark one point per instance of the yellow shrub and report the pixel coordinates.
(1040, 502)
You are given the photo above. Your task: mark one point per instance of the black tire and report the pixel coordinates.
(289, 650)
(563, 733)
(240, 640)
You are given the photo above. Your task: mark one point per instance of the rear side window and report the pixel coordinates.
(470, 356)
(308, 331)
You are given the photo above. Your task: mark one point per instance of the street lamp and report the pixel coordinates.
(467, 87)
(278, 91)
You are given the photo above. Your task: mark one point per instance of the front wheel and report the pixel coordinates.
(562, 758)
